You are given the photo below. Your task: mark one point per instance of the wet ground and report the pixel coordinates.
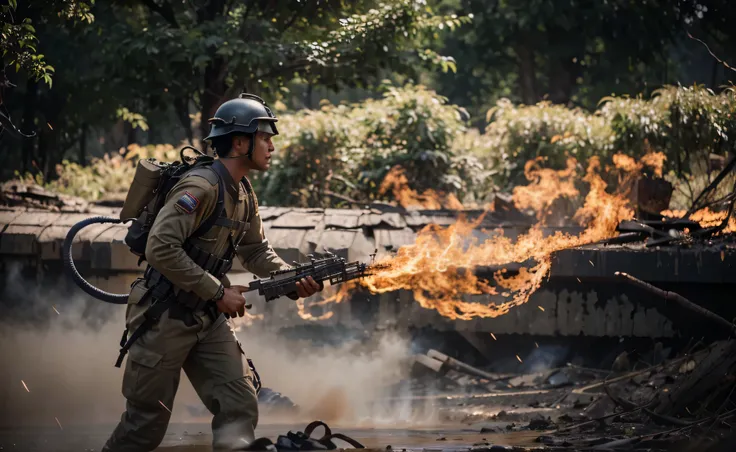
(197, 438)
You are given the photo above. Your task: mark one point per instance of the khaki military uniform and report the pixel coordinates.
(205, 347)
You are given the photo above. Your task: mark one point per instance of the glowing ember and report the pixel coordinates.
(24, 385)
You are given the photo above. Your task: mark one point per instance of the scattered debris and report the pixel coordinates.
(626, 408)
(16, 193)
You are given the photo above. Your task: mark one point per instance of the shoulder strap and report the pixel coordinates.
(207, 224)
(251, 199)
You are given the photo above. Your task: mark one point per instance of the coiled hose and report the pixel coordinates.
(71, 270)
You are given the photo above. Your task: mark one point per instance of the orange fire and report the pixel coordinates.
(439, 267)
(705, 217)
(547, 185)
(397, 182)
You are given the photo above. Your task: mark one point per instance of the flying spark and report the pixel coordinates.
(54, 308)
(541, 308)
(57, 421)
(517, 357)
(24, 385)
(494, 337)
(165, 407)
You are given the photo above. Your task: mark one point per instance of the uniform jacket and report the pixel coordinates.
(187, 205)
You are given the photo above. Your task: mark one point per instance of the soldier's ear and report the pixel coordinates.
(237, 142)
(242, 142)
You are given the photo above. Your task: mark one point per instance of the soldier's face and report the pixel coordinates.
(262, 151)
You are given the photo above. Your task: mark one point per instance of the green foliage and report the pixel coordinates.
(516, 134)
(342, 153)
(349, 149)
(135, 119)
(105, 178)
(18, 45)
(150, 65)
(18, 41)
(687, 124)
(574, 53)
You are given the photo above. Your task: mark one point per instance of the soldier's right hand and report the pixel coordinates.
(232, 301)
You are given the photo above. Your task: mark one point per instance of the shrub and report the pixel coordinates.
(349, 149)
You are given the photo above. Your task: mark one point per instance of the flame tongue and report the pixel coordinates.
(439, 267)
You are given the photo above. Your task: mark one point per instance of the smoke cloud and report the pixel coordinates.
(58, 349)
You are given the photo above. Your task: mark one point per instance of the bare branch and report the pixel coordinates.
(679, 299)
(711, 53)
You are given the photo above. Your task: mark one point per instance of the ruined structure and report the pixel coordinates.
(580, 297)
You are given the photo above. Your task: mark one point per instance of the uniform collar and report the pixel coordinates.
(227, 179)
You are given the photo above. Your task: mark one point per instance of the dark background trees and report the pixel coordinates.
(89, 77)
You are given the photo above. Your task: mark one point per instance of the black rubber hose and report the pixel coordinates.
(66, 255)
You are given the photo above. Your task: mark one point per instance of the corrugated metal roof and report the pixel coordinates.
(293, 232)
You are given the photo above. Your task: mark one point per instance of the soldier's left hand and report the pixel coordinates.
(307, 287)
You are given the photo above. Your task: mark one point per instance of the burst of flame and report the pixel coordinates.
(397, 182)
(547, 186)
(335, 295)
(438, 267)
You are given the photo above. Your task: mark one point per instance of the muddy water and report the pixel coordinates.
(197, 438)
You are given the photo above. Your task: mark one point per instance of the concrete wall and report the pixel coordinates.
(581, 296)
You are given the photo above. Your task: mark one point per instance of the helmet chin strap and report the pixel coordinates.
(249, 154)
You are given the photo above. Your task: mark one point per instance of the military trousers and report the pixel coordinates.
(211, 357)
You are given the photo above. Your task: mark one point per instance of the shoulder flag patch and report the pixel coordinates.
(187, 203)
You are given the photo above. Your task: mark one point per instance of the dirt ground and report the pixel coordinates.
(197, 438)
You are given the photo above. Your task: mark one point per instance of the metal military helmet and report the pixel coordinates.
(246, 114)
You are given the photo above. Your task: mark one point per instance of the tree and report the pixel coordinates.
(570, 52)
(22, 53)
(208, 53)
(143, 59)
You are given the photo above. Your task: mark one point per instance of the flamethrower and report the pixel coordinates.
(331, 268)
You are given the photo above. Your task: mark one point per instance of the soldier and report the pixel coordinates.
(182, 276)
